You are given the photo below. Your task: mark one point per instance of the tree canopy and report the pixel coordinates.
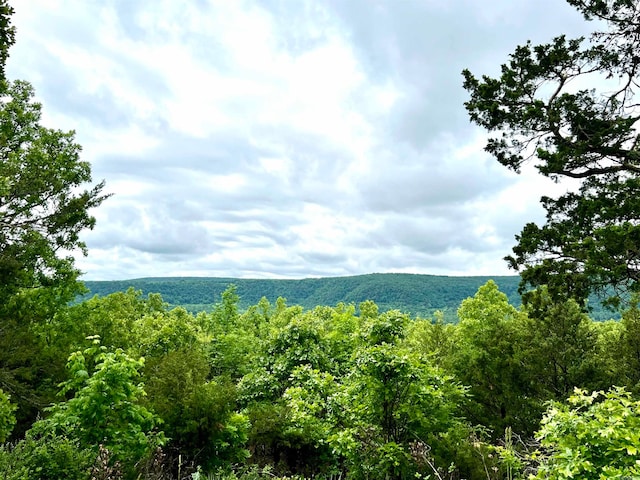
(543, 109)
(44, 206)
(41, 210)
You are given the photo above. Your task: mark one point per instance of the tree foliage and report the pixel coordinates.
(7, 34)
(344, 391)
(46, 457)
(321, 392)
(44, 206)
(42, 211)
(394, 404)
(593, 436)
(541, 111)
(487, 337)
(558, 347)
(105, 407)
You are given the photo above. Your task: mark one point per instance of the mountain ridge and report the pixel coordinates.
(416, 294)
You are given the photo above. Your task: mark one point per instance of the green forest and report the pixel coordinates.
(417, 295)
(526, 385)
(414, 294)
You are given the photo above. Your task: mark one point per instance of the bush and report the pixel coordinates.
(105, 409)
(47, 457)
(594, 436)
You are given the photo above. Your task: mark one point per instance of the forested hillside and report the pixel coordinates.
(415, 294)
(354, 378)
(419, 295)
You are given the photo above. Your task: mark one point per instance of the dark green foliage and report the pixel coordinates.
(7, 34)
(421, 295)
(199, 414)
(487, 342)
(171, 379)
(43, 209)
(559, 348)
(629, 346)
(212, 427)
(591, 239)
(620, 349)
(46, 457)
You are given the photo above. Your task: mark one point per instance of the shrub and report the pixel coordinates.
(594, 436)
(7, 418)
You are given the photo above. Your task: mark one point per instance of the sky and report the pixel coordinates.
(286, 138)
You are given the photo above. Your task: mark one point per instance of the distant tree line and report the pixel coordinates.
(417, 295)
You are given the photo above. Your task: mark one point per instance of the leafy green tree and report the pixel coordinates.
(392, 404)
(540, 113)
(105, 406)
(487, 342)
(434, 338)
(170, 379)
(43, 208)
(298, 342)
(388, 328)
(39, 342)
(295, 343)
(308, 401)
(335, 393)
(160, 333)
(624, 348)
(121, 320)
(559, 348)
(211, 427)
(593, 436)
(236, 339)
(199, 415)
(610, 353)
(341, 330)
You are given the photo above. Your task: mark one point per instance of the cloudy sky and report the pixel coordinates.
(285, 138)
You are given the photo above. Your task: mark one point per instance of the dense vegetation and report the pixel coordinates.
(149, 390)
(126, 386)
(418, 295)
(414, 294)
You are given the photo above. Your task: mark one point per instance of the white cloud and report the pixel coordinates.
(284, 139)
